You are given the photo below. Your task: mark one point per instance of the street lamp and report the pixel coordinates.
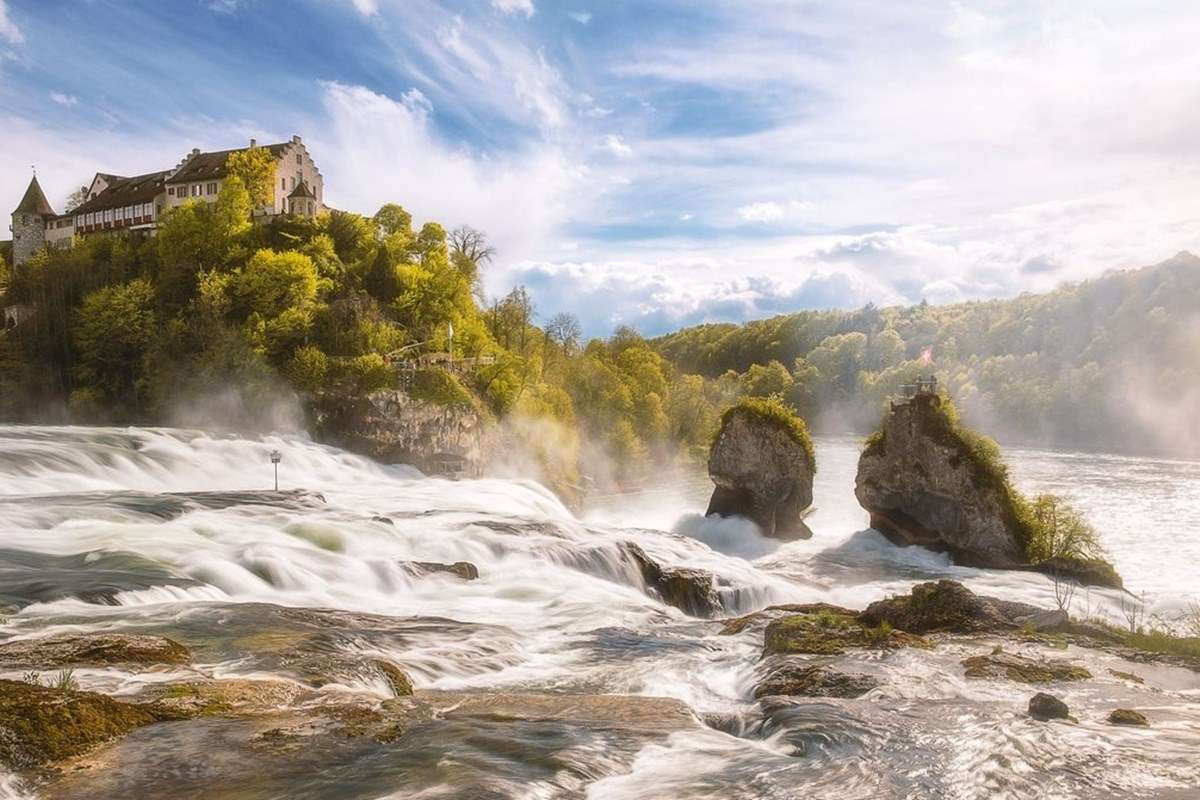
(275, 458)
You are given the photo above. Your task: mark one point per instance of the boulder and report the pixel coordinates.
(923, 484)
(1001, 665)
(692, 591)
(1127, 716)
(1045, 707)
(92, 649)
(762, 465)
(808, 680)
(942, 606)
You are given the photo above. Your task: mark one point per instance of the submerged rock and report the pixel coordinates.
(692, 591)
(1022, 669)
(762, 464)
(1127, 716)
(1045, 707)
(91, 649)
(462, 569)
(40, 725)
(808, 680)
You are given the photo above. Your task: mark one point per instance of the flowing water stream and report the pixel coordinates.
(155, 530)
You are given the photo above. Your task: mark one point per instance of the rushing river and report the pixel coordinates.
(104, 529)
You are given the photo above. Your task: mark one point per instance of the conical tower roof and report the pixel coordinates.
(34, 201)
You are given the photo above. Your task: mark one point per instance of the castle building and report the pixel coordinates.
(117, 202)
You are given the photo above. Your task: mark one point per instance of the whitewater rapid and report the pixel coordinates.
(104, 529)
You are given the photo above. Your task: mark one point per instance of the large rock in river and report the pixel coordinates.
(923, 484)
(762, 464)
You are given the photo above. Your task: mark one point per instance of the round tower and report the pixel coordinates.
(29, 223)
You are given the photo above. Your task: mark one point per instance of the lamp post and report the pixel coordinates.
(275, 458)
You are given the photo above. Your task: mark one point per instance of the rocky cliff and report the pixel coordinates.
(762, 465)
(392, 427)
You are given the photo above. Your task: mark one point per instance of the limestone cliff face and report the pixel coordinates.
(392, 427)
(761, 473)
(922, 487)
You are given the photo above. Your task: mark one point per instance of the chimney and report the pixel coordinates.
(254, 142)
(295, 140)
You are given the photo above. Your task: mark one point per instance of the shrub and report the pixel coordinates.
(772, 410)
(436, 385)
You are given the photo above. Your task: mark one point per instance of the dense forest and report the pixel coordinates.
(1111, 363)
(216, 315)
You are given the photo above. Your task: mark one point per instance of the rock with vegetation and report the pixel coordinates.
(391, 426)
(692, 591)
(92, 649)
(1045, 707)
(1127, 716)
(41, 725)
(828, 633)
(813, 680)
(927, 480)
(762, 463)
(942, 606)
(999, 664)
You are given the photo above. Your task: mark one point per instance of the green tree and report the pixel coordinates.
(113, 334)
(272, 283)
(255, 168)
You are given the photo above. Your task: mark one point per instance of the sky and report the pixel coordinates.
(662, 163)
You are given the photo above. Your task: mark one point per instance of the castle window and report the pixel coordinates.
(211, 189)
(195, 190)
(299, 159)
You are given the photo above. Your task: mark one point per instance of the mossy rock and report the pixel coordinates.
(1127, 716)
(826, 633)
(1001, 665)
(808, 680)
(41, 725)
(936, 606)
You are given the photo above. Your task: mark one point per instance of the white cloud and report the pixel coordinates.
(582, 17)
(67, 100)
(514, 7)
(770, 211)
(9, 31)
(685, 217)
(616, 146)
(374, 149)
(368, 8)
(761, 212)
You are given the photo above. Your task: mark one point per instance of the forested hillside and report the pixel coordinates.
(216, 321)
(1110, 363)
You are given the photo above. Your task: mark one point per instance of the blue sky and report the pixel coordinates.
(663, 162)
